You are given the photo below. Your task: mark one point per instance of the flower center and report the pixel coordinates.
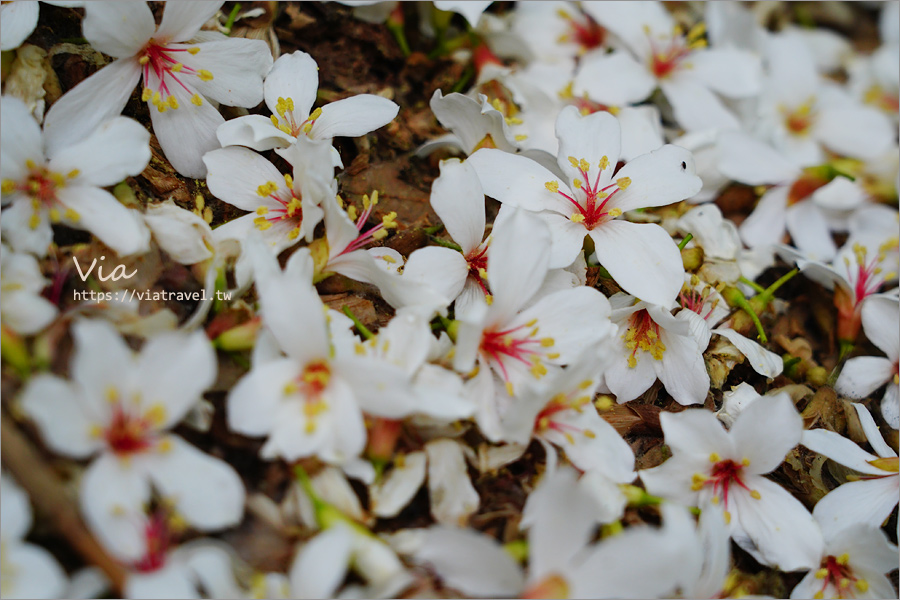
(804, 186)
(836, 572)
(312, 383)
(669, 54)
(291, 208)
(379, 232)
(882, 99)
(285, 121)
(128, 433)
(477, 261)
(722, 476)
(42, 185)
(157, 538)
(519, 344)
(697, 300)
(643, 334)
(585, 32)
(800, 120)
(546, 420)
(163, 75)
(592, 209)
(552, 586)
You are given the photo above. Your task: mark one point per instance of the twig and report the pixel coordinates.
(51, 500)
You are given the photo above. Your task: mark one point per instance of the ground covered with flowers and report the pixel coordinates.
(481, 299)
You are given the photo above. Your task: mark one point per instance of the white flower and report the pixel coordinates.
(711, 465)
(555, 32)
(290, 91)
(180, 78)
(22, 308)
(689, 74)
(803, 115)
(517, 340)
(20, 19)
(872, 498)
(853, 565)
(66, 188)
(458, 200)
(121, 406)
(642, 258)
(29, 571)
(651, 343)
(863, 375)
(308, 401)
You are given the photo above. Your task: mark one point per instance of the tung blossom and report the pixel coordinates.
(290, 91)
(181, 73)
(641, 257)
(710, 465)
(39, 189)
(119, 407)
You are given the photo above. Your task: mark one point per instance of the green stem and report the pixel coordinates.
(756, 287)
(396, 30)
(362, 329)
(464, 79)
(685, 241)
(737, 298)
(434, 229)
(846, 347)
(231, 18)
(766, 296)
(445, 243)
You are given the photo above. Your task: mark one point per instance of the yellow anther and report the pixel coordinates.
(388, 259)
(584, 165)
(553, 355)
(34, 221)
(389, 221)
(714, 458)
(531, 323)
(822, 573)
(482, 272)
(96, 431)
(8, 186)
(310, 427)
(294, 233)
(604, 162)
(521, 137)
(755, 494)
(204, 75)
(289, 180)
(604, 402)
(538, 370)
(173, 102)
(697, 30)
(146, 94)
(615, 212)
(589, 434)
(862, 585)
(489, 299)
(380, 234)
(157, 99)
(843, 559)
(162, 107)
(552, 186)
(547, 342)
(573, 161)
(315, 114)
(144, 59)
(164, 446)
(30, 164)
(727, 517)
(745, 461)
(290, 388)
(196, 100)
(156, 414)
(509, 388)
(262, 210)
(351, 212)
(73, 174)
(261, 223)
(177, 67)
(54, 215)
(193, 50)
(819, 595)
(577, 218)
(623, 182)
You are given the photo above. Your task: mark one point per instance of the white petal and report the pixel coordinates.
(472, 11)
(391, 495)
(779, 530)
(458, 200)
(890, 406)
(205, 490)
(767, 222)
(840, 449)
(120, 228)
(118, 148)
(102, 360)
(862, 375)
(180, 21)
(95, 100)
(55, 406)
(770, 418)
(590, 137)
(381, 388)
(641, 130)
(748, 160)
(321, 565)
(696, 108)
(253, 131)
(662, 177)
(20, 138)
(471, 120)
(113, 495)
(235, 174)
(470, 562)
(19, 20)
(118, 29)
(870, 502)
(353, 117)
(809, 230)
(15, 509)
(873, 434)
(597, 72)
(186, 133)
(682, 369)
(763, 361)
(642, 258)
(694, 432)
(169, 581)
(32, 571)
(628, 21)
(295, 77)
(858, 132)
(881, 322)
(840, 194)
(182, 234)
(238, 66)
(728, 71)
(27, 313)
(517, 181)
(17, 230)
(189, 364)
(453, 498)
(443, 269)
